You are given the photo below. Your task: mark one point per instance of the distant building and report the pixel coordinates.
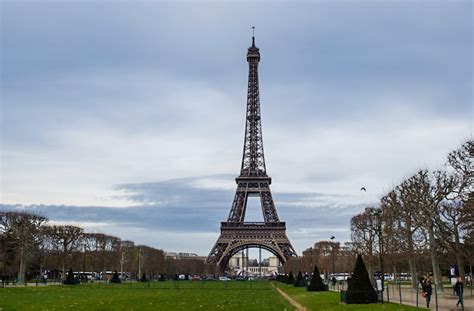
(240, 264)
(238, 261)
(180, 255)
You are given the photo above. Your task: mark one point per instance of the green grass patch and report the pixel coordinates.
(321, 301)
(183, 295)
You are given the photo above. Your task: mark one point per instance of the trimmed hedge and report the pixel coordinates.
(70, 279)
(299, 282)
(290, 279)
(115, 278)
(316, 284)
(360, 289)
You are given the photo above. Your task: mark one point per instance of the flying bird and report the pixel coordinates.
(363, 188)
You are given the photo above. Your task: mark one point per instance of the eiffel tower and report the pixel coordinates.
(236, 234)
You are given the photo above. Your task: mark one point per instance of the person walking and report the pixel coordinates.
(459, 289)
(428, 289)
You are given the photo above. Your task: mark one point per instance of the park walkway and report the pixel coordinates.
(445, 301)
(405, 295)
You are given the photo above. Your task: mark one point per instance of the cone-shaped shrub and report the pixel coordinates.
(70, 279)
(282, 278)
(290, 279)
(316, 284)
(115, 278)
(299, 282)
(360, 289)
(143, 278)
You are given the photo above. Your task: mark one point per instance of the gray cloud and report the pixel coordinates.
(187, 208)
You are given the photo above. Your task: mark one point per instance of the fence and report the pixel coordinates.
(400, 292)
(403, 293)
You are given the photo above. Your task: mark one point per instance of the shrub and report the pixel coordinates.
(115, 278)
(70, 279)
(290, 279)
(360, 289)
(316, 284)
(281, 278)
(299, 282)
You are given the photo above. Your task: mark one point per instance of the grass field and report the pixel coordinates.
(170, 295)
(322, 301)
(183, 295)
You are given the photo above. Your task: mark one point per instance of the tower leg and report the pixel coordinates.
(247, 249)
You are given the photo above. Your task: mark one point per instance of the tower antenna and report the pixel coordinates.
(253, 36)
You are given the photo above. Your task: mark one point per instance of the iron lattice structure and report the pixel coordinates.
(236, 234)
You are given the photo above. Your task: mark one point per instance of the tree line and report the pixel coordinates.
(423, 224)
(29, 246)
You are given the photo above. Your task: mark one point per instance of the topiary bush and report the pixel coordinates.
(299, 282)
(360, 289)
(281, 278)
(70, 279)
(316, 284)
(115, 278)
(290, 279)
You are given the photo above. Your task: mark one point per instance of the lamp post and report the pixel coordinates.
(83, 258)
(333, 256)
(377, 212)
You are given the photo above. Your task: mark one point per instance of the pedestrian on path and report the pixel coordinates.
(459, 289)
(428, 290)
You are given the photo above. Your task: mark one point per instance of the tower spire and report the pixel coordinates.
(253, 159)
(253, 36)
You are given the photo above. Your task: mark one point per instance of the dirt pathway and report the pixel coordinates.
(289, 299)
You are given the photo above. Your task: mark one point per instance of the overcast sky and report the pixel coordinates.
(127, 117)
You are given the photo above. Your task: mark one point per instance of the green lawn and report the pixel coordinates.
(322, 301)
(170, 295)
(185, 295)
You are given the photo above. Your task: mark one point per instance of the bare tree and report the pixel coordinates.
(364, 236)
(455, 214)
(427, 190)
(404, 214)
(125, 247)
(66, 240)
(392, 238)
(21, 232)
